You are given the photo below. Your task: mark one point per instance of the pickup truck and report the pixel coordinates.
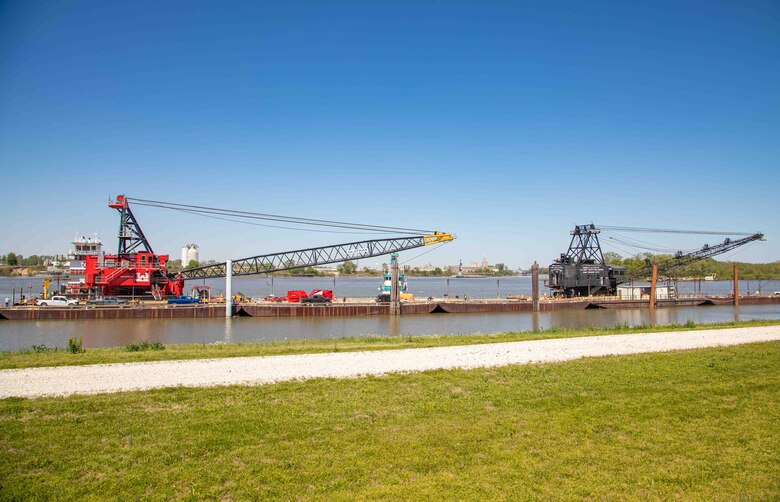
(107, 300)
(183, 300)
(316, 299)
(57, 301)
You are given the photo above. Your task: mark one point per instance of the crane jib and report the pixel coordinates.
(706, 252)
(288, 260)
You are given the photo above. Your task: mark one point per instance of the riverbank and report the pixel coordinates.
(108, 378)
(42, 355)
(694, 424)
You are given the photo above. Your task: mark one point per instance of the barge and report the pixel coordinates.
(161, 311)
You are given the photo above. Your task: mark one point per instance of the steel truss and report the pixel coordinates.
(584, 246)
(288, 260)
(131, 237)
(680, 259)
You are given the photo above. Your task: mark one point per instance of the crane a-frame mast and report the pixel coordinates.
(288, 260)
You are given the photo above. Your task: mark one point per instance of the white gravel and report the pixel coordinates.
(102, 378)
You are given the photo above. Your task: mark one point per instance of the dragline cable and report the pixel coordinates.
(203, 210)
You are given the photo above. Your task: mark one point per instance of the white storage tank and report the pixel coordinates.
(189, 252)
(193, 254)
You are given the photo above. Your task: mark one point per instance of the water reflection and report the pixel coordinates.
(16, 335)
(228, 330)
(394, 326)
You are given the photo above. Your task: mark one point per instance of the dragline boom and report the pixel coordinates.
(288, 260)
(681, 259)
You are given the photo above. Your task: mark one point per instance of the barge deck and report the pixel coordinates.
(352, 309)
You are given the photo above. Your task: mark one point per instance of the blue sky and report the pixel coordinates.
(503, 122)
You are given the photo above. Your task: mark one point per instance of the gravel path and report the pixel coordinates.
(102, 378)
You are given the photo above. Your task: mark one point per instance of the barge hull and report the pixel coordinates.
(348, 310)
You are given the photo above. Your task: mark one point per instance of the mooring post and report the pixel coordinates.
(395, 301)
(736, 285)
(653, 280)
(535, 285)
(229, 288)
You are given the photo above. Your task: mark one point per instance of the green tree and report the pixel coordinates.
(12, 259)
(613, 258)
(193, 264)
(347, 268)
(173, 266)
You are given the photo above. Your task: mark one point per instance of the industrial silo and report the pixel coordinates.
(184, 260)
(192, 253)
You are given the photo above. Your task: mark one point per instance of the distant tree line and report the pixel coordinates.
(17, 260)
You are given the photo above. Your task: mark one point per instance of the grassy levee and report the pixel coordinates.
(46, 356)
(698, 424)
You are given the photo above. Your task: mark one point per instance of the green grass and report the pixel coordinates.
(693, 425)
(40, 356)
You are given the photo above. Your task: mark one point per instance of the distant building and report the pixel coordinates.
(470, 270)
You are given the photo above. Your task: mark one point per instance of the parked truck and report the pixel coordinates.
(299, 295)
(107, 300)
(56, 301)
(184, 300)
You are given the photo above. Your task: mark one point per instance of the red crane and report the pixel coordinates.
(137, 269)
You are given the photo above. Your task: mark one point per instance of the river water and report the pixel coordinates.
(16, 335)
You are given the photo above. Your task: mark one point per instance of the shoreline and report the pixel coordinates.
(113, 378)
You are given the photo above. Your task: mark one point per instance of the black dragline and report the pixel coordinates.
(582, 271)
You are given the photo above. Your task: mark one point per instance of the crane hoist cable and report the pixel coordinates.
(189, 211)
(634, 242)
(203, 210)
(614, 234)
(423, 253)
(670, 230)
(644, 247)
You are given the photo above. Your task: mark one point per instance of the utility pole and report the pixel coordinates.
(535, 285)
(653, 280)
(395, 303)
(229, 289)
(736, 285)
